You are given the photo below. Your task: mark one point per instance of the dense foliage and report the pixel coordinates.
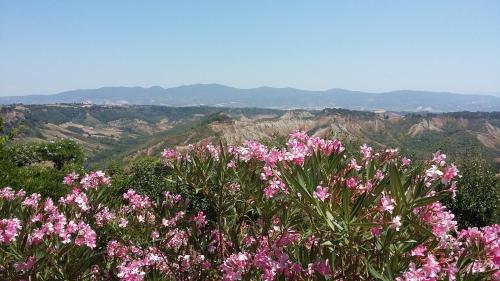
(309, 210)
(59, 153)
(478, 194)
(37, 166)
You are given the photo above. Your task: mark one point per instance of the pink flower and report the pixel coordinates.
(155, 234)
(431, 266)
(214, 151)
(185, 262)
(351, 182)
(85, 236)
(396, 223)
(378, 175)
(137, 201)
(123, 223)
(311, 242)
(436, 215)
(77, 198)
(439, 159)
(9, 230)
(405, 161)
(433, 172)
(169, 154)
(321, 193)
(449, 174)
(71, 178)
(387, 203)
(25, 266)
(274, 187)
(104, 216)
(419, 251)
(354, 165)
(200, 220)
(366, 151)
(7, 193)
(32, 201)
(94, 179)
(176, 238)
(234, 266)
(323, 268)
(376, 231)
(131, 271)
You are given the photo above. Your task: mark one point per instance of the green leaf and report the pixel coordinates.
(375, 273)
(357, 206)
(365, 224)
(396, 186)
(429, 200)
(346, 203)
(334, 161)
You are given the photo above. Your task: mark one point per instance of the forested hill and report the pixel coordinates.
(268, 97)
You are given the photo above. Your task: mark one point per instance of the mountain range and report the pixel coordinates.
(268, 97)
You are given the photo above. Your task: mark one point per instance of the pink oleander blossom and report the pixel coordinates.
(323, 268)
(396, 222)
(439, 158)
(387, 203)
(71, 179)
(137, 201)
(366, 151)
(77, 198)
(9, 230)
(235, 266)
(25, 266)
(95, 179)
(168, 154)
(405, 161)
(351, 182)
(321, 193)
(32, 200)
(200, 219)
(7, 193)
(450, 173)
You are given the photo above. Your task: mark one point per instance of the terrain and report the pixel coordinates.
(268, 97)
(122, 132)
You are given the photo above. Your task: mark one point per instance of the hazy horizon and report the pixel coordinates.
(445, 46)
(256, 87)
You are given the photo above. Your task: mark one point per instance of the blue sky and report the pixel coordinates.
(52, 46)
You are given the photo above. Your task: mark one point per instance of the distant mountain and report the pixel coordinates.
(267, 97)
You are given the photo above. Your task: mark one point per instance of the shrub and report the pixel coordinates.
(478, 194)
(307, 211)
(59, 152)
(148, 176)
(39, 166)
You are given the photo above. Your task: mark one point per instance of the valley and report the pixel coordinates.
(119, 133)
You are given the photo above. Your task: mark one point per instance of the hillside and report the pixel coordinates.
(267, 97)
(120, 132)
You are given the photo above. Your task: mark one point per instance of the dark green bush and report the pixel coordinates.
(477, 202)
(59, 152)
(148, 176)
(38, 167)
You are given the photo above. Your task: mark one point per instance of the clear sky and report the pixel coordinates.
(52, 46)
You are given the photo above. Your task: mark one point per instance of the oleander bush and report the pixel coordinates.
(310, 210)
